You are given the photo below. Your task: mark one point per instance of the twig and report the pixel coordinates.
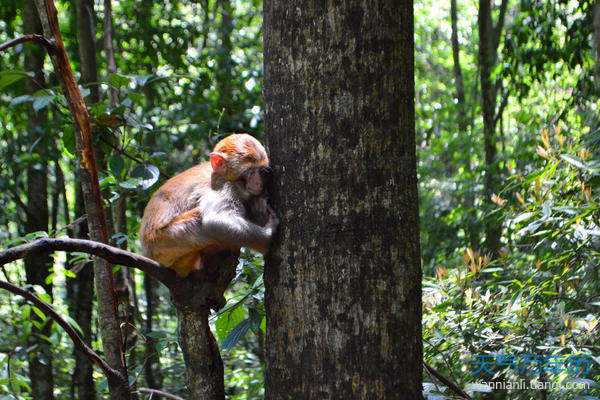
(501, 108)
(39, 39)
(111, 254)
(451, 385)
(77, 340)
(159, 393)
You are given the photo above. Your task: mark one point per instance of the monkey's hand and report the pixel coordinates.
(272, 221)
(260, 213)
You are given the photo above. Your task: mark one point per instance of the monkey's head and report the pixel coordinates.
(242, 160)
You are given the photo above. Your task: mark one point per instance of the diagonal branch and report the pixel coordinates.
(451, 385)
(77, 340)
(111, 254)
(503, 104)
(39, 39)
(159, 393)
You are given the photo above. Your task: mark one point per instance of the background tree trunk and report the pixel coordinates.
(224, 65)
(108, 322)
(596, 25)
(343, 297)
(36, 266)
(80, 296)
(152, 369)
(489, 39)
(470, 227)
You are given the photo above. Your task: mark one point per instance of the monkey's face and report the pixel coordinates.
(252, 181)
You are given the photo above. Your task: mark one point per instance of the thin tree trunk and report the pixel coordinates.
(493, 228)
(103, 279)
(80, 295)
(124, 279)
(224, 65)
(36, 266)
(343, 298)
(463, 129)
(201, 354)
(152, 369)
(596, 23)
(86, 36)
(109, 50)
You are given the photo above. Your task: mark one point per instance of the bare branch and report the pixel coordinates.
(77, 340)
(157, 392)
(501, 108)
(447, 382)
(111, 254)
(39, 39)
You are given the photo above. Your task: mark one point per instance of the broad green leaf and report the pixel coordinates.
(7, 78)
(119, 80)
(237, 333)
(228, 320)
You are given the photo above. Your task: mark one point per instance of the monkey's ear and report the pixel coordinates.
(217, 161)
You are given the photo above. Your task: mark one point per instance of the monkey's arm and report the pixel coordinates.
(234, 230)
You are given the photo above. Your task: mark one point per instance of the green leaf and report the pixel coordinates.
(7, 78)
(39, 313)
(116, 164)
(236, 334)
(26, 311)
(118, 80)
(73, 323)
(228, 320)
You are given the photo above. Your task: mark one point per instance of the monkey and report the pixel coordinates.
(214, 206)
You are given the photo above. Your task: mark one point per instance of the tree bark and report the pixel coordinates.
(124, 279)
(152, 369)
(80, 296)
(201, 354)
(343, 277)
(37, 267)
(86, 36)
(109, 50)
(103, 279)
(82, 289)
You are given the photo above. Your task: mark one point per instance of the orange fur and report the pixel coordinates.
(171, 230)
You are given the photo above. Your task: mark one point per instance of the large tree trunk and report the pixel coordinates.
(343, 278)
(36, 266)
